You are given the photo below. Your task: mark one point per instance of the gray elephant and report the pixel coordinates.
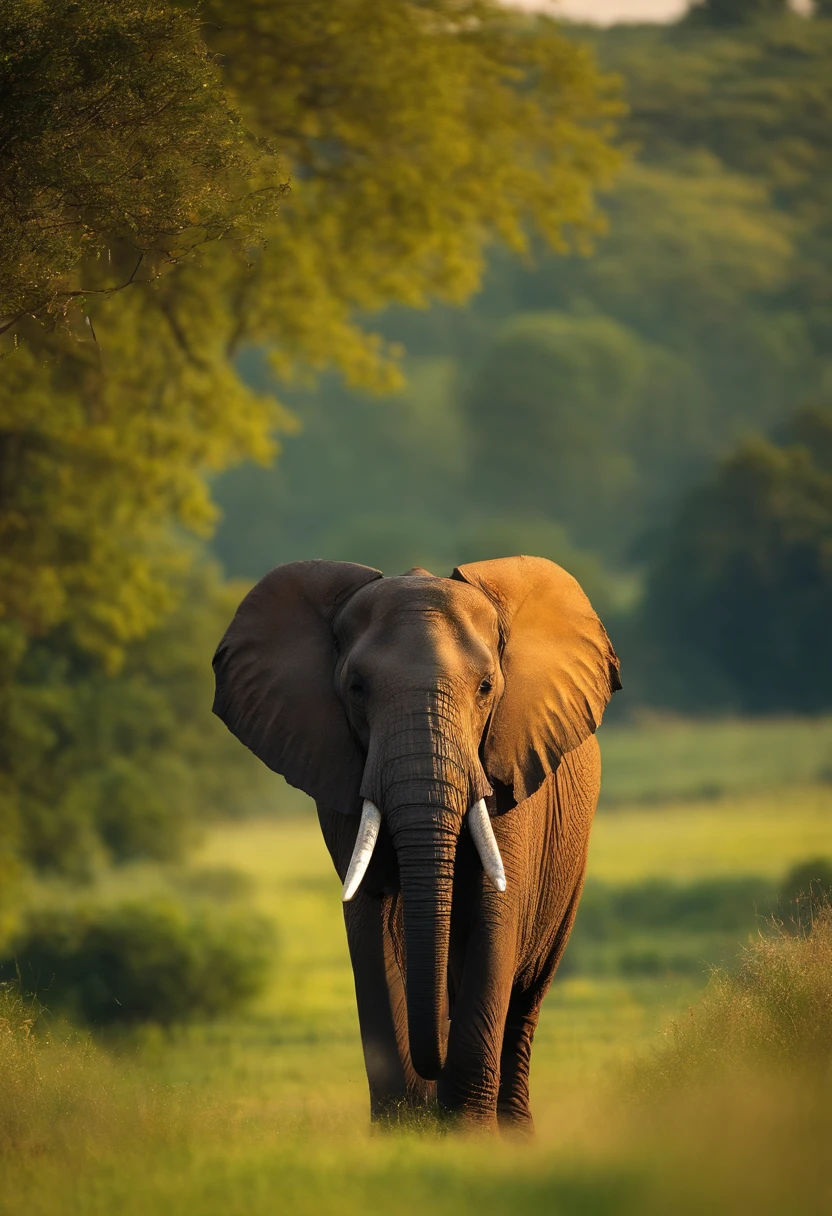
(445, 729)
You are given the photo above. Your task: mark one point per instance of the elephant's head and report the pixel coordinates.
(408, 697)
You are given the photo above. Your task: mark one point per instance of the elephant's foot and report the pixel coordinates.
(471, 1122)
(469, 1096)
(515, 1122)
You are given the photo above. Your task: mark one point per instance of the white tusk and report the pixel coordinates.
(479, 824)
(365, 842)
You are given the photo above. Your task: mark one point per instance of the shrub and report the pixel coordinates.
(153, 961)
(806, 887)
(774, 1009)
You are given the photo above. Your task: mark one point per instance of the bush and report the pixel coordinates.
(806, 888)
(153, 961)
(775, 1009)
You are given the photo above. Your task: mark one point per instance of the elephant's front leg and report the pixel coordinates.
(513, 1112)
(382, 1011)
(521, 1022)
(470, 1082)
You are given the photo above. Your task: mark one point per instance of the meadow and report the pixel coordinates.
(267, 1111)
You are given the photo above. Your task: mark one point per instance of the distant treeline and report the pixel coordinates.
(654, 413)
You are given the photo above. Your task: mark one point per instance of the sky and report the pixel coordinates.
(603, 12)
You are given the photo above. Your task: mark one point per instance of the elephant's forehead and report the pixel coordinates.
(420, 603)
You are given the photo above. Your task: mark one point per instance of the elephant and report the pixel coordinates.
(445, 728)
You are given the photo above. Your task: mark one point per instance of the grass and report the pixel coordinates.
(267, 1112)
(763, 833)
(665, 760)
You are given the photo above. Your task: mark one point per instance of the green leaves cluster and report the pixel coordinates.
(97, 768)
(416, 135)
(120, 149)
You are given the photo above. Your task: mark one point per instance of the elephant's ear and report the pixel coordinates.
(559, 667)
(275, 678)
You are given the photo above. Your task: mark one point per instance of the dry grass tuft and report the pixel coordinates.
(773, 1011)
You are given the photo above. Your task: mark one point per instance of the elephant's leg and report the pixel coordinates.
(382, 1015)
(513, 1109)
(419, 1093)
(470, 1081)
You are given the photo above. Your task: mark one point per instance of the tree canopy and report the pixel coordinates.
(120, 150)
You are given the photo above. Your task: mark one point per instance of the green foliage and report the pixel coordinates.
(411, 152)
(756, 97)
(654, 760)
(410, 452)
(109, 767)
(759, 98)
(150, 961)
(662, 928)
(102, 461)
(552, 414)
(119, 149)
(742, 581)
(805, 891)
(701, 317)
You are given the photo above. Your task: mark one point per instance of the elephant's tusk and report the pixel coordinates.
(365, 842)
(480, 827)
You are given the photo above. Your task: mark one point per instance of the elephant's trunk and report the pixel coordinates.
(423, 776)
(425, 841)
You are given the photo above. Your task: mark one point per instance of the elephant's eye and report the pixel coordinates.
(486, 686)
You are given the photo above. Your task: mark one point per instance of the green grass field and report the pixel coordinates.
(267, 1112)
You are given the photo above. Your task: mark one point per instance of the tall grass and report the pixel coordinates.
(60, 1096)
(733, 1116)
(773, 1011)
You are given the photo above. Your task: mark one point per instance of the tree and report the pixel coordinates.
(553, 413)
(696, 267)
(97, 768)
(743, 580)
(417, 135)
(759, 98)
(120, 151)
